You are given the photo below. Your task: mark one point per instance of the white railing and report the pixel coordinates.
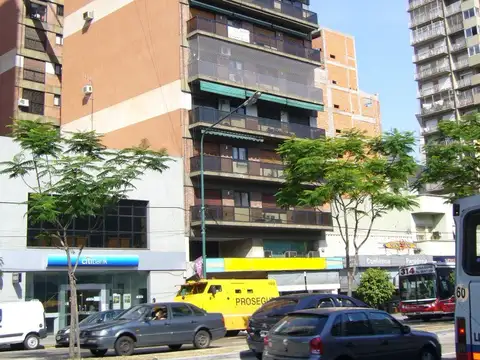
(464, 82)
(420, 19)
(430, 53)
(437, 69)
(466, 100)
(432, 90)
(421, 36)
(454, 28)
(461, 64)
(417, 3)
(433, 108)
(453, 9)
(459, 46)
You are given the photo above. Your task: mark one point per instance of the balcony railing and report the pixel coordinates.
(285, 9)
(417, 3)
(454, 28)
(466, 100)
(464, 82)
(438, 69)
(459, 46)
(248, 123)
(434, 108)
(424, 35)
(35, 76)
(420, 19)
(229, 166)
(453, 9)
(259, 217)
(433, 90)
(427, 130)
(461, 64)
(434, 187)
(269, 42)
(430, 53)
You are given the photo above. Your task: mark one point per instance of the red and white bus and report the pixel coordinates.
(427, 291)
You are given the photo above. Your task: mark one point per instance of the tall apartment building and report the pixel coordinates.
(30, 60)
(445, 35)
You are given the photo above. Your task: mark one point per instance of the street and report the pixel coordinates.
(227, 348)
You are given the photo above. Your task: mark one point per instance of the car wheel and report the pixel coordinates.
(202, 339)
(427, 354)
(98, 352)
(31, 342)
(124, 346)
(175, 347)
(232, 333)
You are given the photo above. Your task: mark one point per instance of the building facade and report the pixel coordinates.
(446, 41)
(137, 253)
(30, 60)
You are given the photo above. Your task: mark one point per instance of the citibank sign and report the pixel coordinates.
(94, 260)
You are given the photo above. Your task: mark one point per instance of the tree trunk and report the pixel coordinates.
(347, 266)
(354, 267)
(74, 341)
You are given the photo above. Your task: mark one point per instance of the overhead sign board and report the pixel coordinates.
(94, 260)
(417, 269)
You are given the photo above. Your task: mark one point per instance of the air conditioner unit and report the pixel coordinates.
(232, 77)
(88, 15)
(225, 51)
(268, 253)
(23, 102)
(88, 89)
(314, 254)
(290, 254)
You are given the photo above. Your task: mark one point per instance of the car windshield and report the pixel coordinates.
(91, 319)
(192, 289)
(300, 325)
(418, 287)
(278, 305)
(135, 313)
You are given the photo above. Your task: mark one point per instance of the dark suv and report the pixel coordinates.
(274, 310)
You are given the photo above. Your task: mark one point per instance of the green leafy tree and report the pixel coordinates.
(71, 177)
(360, 177)
(376, 287)
(452, 157)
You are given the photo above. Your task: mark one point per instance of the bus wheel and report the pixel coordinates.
(232, 333)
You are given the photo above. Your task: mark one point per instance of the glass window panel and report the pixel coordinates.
(140, 241)
(125, 223)
(139, 224)
(111, 223)
(140, 211)
(81, 223)
(96, 240)
(125, 210)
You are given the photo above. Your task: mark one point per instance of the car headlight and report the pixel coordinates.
(100, 332)
(67, 331)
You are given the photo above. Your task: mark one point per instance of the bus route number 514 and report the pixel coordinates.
(461, 293)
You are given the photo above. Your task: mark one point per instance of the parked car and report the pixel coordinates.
(274, 310)
(171, 324)
(22, 324)
(63, 335)
(347, 333)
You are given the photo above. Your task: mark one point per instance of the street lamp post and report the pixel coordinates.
(250, 101)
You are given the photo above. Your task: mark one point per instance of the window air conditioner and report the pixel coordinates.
(23, 102)
(88, 89)
(88, 15)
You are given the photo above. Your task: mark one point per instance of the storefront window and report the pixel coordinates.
(123, 226)
(95, 292)
(280, 247)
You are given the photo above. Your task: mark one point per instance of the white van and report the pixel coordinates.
(22, 324)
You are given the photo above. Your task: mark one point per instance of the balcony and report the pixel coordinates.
(433, 71)
(271, 43)
(269, 128)
(454, 28)
(283, 9)
(434, 187)
(430, 16)
(436, 108)
(419, 37)
(459, 46)
(465, 100)
(461, 64)
(430, 54)
(433, 90)
(465, 82)
(224, 167)
(243, 67)
(36, 12)
(429, 130)
(417, 3)
(453, 9)
(262, 218)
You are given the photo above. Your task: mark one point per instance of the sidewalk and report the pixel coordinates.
(48, 342)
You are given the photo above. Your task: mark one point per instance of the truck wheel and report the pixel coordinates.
(31, 342)
(175, 347)
(124, 346)
(202, 339)
(98, 352)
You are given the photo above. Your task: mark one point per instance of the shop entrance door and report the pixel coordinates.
(91, 298)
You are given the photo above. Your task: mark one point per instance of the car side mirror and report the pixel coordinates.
(406, 329)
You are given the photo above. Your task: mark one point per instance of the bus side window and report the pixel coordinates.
(238, 291)
(250, 291)
(214, 289)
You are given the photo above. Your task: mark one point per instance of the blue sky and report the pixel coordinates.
(384, 55)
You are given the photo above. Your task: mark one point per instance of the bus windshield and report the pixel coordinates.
(191, 289)
(418, 287)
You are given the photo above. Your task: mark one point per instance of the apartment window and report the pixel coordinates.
(474, 50)
(58, 69)
(239, 153)
(59, 39)
(336, 106)
(34, 70)
(123, 226)
(471, 31)
(332, 56)
(467, 14)
(60, 10)
(241, 199)
(36, 100)
(334, 82)
(35, 39)
(338, 131)
(56, 100)
(37, 12)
